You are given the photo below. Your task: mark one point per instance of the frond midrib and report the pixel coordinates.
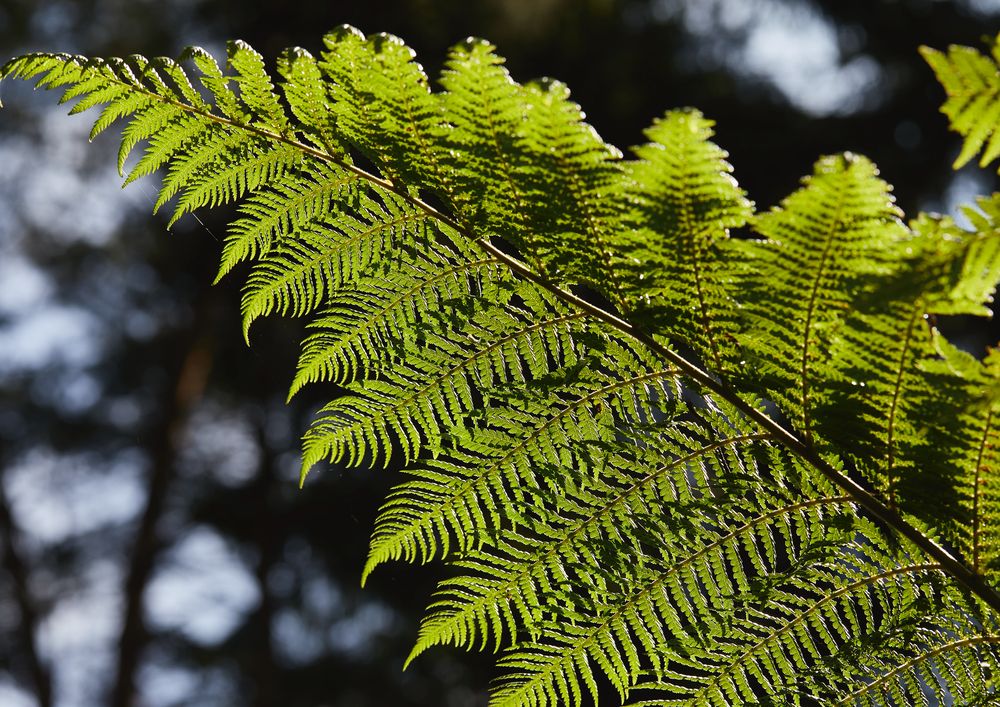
(810, 310)
(977, 489)
(897, 390)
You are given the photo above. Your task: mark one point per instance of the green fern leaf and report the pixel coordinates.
(685, 203)
(821, 244)
(972, 82)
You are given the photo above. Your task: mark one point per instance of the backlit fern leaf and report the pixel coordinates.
(821, 245)
(427, 395)
(617, 515)
(685, 201)
(883, 355)
(365, 324)
(469, 495)
(284, 208)
(295, 276)
(506, 581)
(972, 82)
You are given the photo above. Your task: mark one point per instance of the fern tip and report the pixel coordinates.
(369, 567)
(414, 654)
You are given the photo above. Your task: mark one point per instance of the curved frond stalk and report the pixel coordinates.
(972, 82)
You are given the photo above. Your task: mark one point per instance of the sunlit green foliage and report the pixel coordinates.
(628, 406)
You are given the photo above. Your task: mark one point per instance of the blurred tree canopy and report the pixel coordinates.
(154, 547)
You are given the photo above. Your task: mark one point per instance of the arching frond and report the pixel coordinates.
(821, 245)
(703, 470)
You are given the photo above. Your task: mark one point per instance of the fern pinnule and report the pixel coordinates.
(571, 179)
(147, 124)
(217, 84)
(308, 98)
(481, 106)
(382, 103)
(256, 90)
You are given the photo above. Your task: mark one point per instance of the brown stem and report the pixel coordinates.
(268, 542)
(188, 386)
(14, 564)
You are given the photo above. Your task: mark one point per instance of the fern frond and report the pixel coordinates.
(616, 512)
(295, 276)
(821, 246)
(504, 582)
(424, 398)
(303, 198)
(363, 325)
(685, 202)
(971, 81)
(466, 494)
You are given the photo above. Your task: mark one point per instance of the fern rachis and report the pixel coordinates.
(610, 479)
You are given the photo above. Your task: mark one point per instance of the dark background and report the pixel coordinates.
(154, 547)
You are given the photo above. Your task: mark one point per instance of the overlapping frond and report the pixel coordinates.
(971, 80)
(882, 359)
(821, 247)
(477, 490)
(618, 516)
(365, 323)
(298, 274)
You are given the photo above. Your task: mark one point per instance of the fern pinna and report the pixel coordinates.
(696, 468)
